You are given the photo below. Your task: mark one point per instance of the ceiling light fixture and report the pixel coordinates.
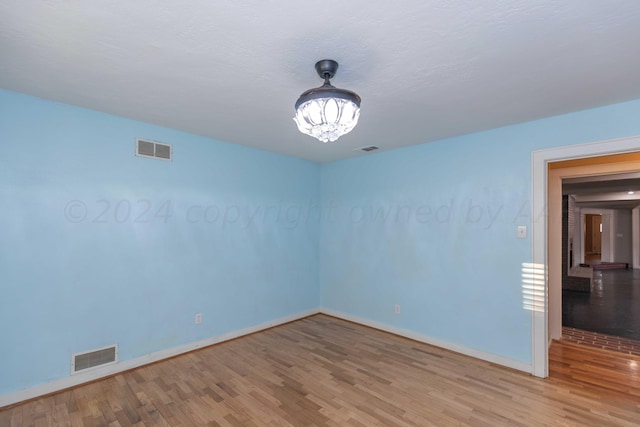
(326, 112)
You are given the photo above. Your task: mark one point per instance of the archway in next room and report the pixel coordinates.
(549, 168)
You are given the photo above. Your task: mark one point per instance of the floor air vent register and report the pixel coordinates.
(81, 362)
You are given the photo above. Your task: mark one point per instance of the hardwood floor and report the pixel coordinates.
(322, 371)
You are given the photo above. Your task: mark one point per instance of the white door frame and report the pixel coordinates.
(540, 336)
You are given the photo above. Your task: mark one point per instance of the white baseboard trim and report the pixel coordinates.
(499, 360)
(107, 371)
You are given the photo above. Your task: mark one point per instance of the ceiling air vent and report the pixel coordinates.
(94, 358)
(156, 150)
(369, 148)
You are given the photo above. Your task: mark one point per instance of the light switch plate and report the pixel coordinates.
(522, 232)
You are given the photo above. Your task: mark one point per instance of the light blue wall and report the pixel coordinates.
(235, 233)
(98, 246)
(433, 228)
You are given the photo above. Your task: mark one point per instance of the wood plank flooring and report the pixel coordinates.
(322, 371)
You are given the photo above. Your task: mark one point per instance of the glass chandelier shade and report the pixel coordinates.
(326, 112)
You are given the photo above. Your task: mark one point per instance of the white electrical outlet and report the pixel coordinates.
(396, 309)
(198, 318)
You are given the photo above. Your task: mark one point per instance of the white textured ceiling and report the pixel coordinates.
(232, 70)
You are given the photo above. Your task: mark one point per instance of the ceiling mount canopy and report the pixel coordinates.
(326, 112)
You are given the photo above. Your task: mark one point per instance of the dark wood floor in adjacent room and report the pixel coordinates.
(322, 371)
(612, 307)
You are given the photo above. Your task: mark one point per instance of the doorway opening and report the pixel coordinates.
(600, 294)
(592, 239)
(549, 168)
